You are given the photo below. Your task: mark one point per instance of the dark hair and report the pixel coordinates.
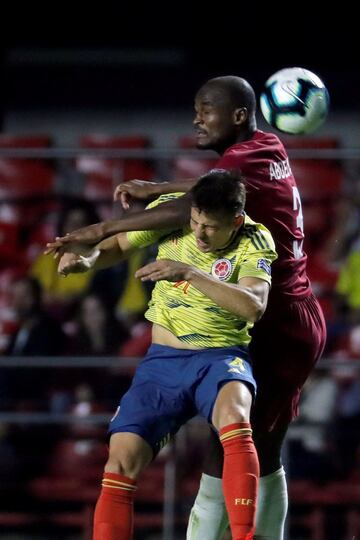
(74, 203)
(36, 290)
(220, 192)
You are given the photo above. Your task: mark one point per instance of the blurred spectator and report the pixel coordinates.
(10, 463)
(347, 220)
(60, 291)
(309, 442)
(348, 285)
(97, 331)
(136, 294)
(345, 431)
(342, 329)
(37, 334)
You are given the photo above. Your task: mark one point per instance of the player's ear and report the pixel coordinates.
(240, 115)
(239, 220)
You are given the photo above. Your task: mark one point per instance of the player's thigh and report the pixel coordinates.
(285, 349)
(232, 404)
(231, 368)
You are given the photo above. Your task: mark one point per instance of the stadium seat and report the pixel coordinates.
(8, 140)
(317, 180)
(294, 142)
(103, 174)
(25, 178)
(73, 477)
(10, 254)
(26, 183)
(318, 502)
(189, 167)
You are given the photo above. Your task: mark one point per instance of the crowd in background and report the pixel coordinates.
(102, 314)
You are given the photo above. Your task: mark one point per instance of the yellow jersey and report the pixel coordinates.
(185, 311)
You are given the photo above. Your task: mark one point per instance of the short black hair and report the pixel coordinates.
(220, 192)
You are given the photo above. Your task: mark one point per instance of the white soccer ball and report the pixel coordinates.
(295, 101)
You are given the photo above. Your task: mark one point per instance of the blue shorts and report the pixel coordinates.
(171, 386)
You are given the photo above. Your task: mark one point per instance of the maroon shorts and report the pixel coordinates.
(286, 344)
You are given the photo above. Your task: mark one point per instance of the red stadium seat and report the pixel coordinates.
(103, 174)
(189, 167)
(186, 167)
(318, 501)
(9, 244)
(27, 183)
(78, 459)
(317, 180)
(25, 141)
(74, 473)
(25, 178)
(292, 142)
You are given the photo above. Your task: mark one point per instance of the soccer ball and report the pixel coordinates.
(295, 101)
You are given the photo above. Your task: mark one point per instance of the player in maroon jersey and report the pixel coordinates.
(291, 335)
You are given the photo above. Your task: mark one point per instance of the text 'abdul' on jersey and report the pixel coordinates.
(185, 311)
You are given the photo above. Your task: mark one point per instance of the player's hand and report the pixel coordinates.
(134, 189)
(164, 269)
(71, 263)
(90, 236)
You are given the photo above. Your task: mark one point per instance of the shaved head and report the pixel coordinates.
(231, 90)
(224, 113)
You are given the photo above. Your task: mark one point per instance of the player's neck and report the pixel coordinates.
(230, 240)
(246, 134)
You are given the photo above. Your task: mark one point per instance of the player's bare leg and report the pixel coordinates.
(129, 454)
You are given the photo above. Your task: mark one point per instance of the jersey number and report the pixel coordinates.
(298, 245)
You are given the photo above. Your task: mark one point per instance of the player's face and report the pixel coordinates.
(214, 120)
(212, 232)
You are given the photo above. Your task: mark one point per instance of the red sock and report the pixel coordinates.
(240, 479)
(113, 519)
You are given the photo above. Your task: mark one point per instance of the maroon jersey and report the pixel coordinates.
(273, 199)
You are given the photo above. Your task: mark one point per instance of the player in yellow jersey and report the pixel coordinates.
(212, 284)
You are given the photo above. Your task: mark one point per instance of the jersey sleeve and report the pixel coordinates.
(260, 255)
(141, 239)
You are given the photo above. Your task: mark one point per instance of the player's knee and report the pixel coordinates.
(231, 414)
(124, 462)
(232, 405)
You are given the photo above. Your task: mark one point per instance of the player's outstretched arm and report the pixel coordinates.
(144, 190)
(80, 258)
(168, 215)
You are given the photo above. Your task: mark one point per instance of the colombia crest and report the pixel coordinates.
(221, 269)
